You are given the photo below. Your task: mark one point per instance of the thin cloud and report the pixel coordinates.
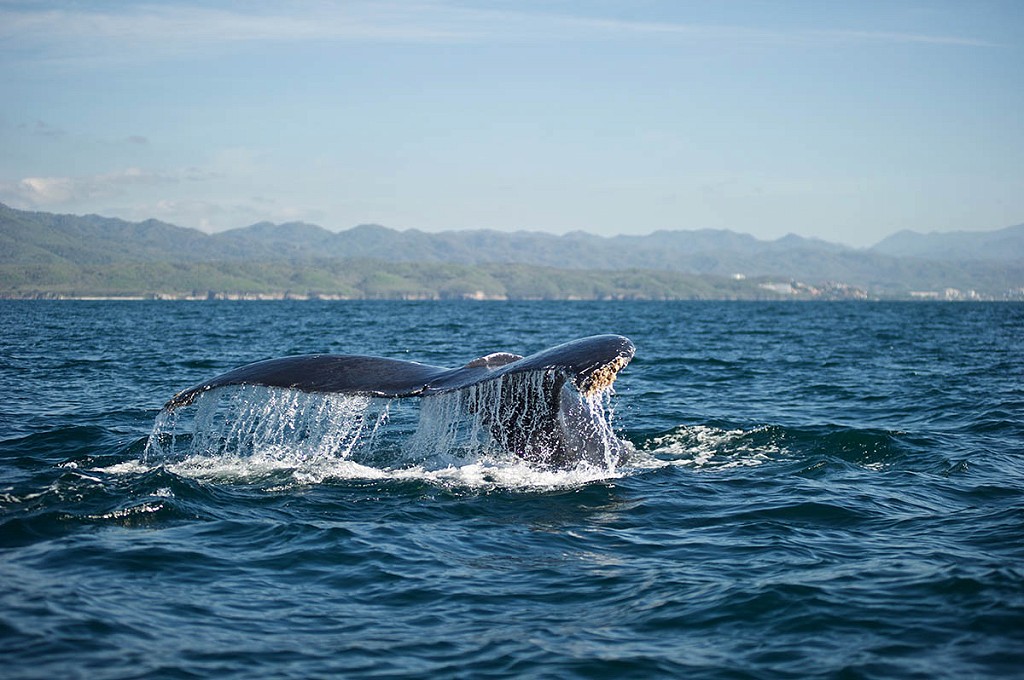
(163, 30)
(48, 191)
(744, 34)
(905, 38)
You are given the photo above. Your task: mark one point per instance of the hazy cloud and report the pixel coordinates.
(129, 30)
(48, 191)
(204, 197)
(732, 33)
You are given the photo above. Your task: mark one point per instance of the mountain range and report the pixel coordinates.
(991, 263)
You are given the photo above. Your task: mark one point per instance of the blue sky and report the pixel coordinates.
(845, 121)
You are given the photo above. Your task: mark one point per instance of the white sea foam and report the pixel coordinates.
(124, 468)
(702, 446)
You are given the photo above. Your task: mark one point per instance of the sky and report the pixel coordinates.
(844, 121)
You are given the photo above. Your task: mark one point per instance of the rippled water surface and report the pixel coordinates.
(810, 490)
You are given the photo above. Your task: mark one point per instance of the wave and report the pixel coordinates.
(705, 446)
(806, 450)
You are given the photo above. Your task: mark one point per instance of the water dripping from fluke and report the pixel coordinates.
(548, 414)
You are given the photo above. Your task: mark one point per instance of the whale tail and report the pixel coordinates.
(539, 407)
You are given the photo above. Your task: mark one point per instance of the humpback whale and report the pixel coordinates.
(538, 407)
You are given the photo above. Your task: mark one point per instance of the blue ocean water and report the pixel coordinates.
(812, 490)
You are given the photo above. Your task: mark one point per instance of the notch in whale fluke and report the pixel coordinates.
(590, 363)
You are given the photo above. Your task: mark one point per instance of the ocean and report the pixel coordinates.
(809, 490)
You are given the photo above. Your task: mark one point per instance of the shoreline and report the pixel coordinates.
(288, 297)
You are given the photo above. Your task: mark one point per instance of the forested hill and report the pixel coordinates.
(989, 262)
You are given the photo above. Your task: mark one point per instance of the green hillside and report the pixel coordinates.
(363, 279)
(43, 254)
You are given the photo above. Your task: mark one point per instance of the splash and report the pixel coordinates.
(266, 424)
(528, 430)
(537, 417)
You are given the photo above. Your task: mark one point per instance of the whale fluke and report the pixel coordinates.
(543, 420)
(591, 363)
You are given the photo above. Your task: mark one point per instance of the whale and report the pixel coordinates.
(540, 407)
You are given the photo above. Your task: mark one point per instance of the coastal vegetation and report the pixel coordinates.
(365, 279)
(49, 255)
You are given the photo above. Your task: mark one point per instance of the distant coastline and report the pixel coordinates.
(43, 255)
(271, 296)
